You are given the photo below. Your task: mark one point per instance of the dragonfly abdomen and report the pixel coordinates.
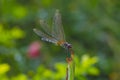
(48, 40)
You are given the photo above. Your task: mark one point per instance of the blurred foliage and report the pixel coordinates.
(7, 37)
(4, 68)
(91, 26)
(84, 67)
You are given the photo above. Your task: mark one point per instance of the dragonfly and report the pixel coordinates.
(54, 35)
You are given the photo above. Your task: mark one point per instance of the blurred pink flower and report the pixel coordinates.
(34, 49)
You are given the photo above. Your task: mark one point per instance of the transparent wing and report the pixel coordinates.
(57, 28)
(45, 37)
(45, 26)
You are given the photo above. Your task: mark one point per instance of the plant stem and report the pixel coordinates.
(70, 67)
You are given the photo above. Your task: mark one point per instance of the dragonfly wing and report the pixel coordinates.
(45, 37)
(45, 26)
(57, 28)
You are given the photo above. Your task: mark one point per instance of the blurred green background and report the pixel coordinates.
(91, 26)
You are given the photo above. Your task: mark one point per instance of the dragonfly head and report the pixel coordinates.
(66, 45)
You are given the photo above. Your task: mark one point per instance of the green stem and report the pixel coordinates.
(71, 70)
(70, 66)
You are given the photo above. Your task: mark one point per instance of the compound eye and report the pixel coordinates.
(69, 46)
